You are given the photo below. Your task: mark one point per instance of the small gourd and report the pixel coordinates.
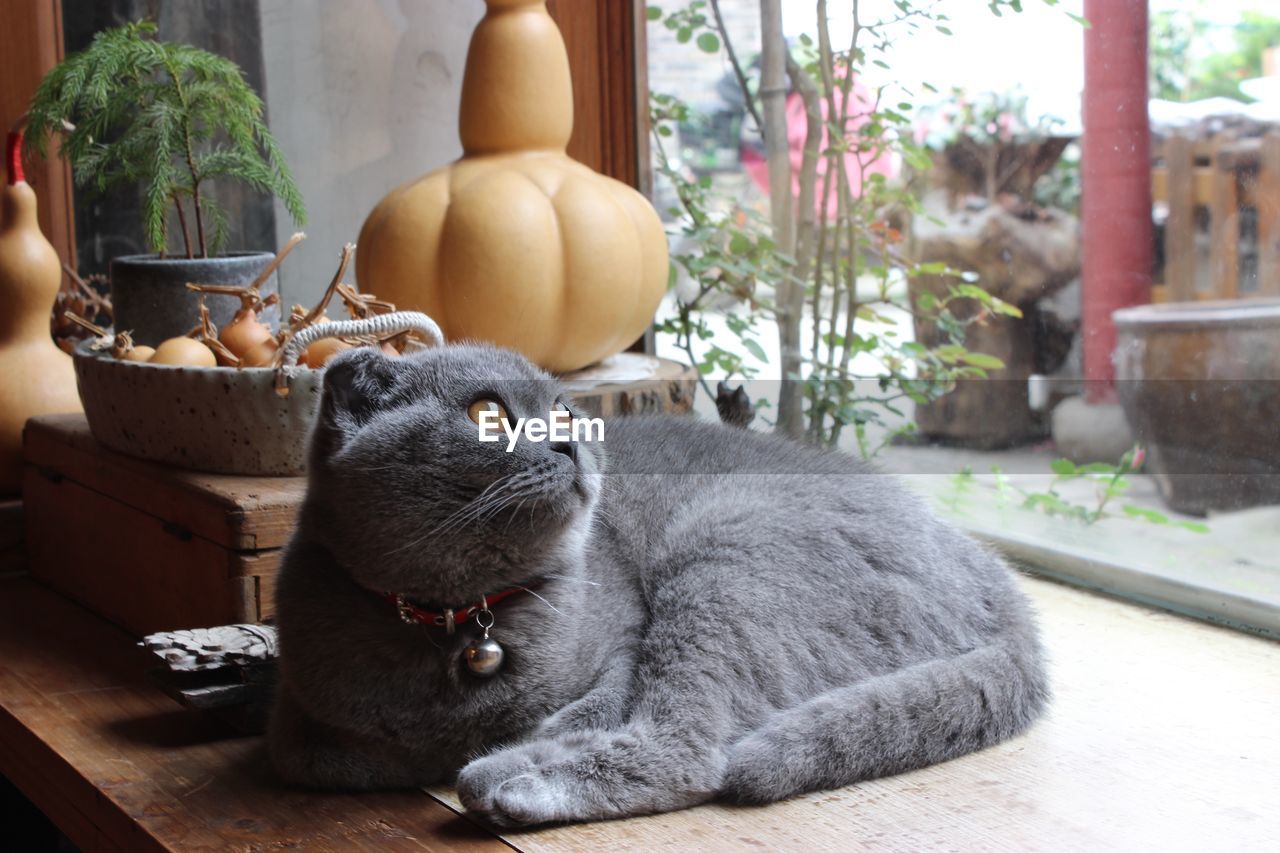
(121, 345)
(319, 353)
(516, 243)
(36, 378)
(199, 347)
(126, 349)
(249, 338)
(246, 337)
(184, 352)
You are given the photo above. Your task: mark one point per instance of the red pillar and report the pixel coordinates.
(1116, 176)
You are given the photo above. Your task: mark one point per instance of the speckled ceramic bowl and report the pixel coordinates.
(223, 420)
(216, 419)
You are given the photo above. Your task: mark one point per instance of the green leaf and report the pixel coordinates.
(972, 291)
(755, 349)
(950, 353)
(653, 13)
(986, 362)
(1145, 514)
(1064, 468)
(1006, 309)
(1050, 503)
(684, 34)
(709, 42)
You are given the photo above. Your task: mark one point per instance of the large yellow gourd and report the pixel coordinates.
(36, 378)
(516, 243)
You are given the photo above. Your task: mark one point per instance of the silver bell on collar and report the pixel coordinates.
(483, 656)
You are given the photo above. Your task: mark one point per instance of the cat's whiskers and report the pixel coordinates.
(514, 513)
(495, 505)
(460, 516)
(373, 468)
(571, 580)
(480, 502)
(485, 507)
(554, 609)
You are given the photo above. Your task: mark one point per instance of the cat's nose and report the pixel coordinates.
(568, 448)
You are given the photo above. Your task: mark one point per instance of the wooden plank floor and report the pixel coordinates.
(1163, 735)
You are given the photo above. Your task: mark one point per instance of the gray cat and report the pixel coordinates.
(690, 611)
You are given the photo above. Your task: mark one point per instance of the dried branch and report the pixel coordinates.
(808, 178)
(747, 97)
(363, 305)
(93, 297)
(288, 247)
(297, 324)
(790, 297)
(91, 328)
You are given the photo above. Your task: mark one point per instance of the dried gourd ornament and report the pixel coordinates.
(516, 243)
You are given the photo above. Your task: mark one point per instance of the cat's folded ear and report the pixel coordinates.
(357, 384)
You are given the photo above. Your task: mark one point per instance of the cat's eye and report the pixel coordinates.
(485, 405)
(561, 407)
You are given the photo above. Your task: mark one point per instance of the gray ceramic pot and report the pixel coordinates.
(1200, 385)
(151, 298)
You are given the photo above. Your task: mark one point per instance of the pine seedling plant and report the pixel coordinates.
(168, 117)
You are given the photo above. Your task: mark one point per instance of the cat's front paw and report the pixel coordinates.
(591, 775)
(507, 788)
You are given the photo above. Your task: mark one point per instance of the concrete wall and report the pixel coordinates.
(363, 96)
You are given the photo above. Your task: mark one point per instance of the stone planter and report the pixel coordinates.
(1200, 385)
(152, 301)
(1022, 255)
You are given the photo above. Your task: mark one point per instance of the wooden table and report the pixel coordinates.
(1162, 735)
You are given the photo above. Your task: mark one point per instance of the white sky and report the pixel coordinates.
(1040, 50)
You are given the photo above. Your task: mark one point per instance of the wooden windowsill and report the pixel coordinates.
(1161, 734)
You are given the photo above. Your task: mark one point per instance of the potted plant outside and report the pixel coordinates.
(170, 118)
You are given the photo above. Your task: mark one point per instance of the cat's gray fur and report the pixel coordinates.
(735, 615)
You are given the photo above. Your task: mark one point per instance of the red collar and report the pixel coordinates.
(447, 618)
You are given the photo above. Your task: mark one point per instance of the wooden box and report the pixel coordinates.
(150, 547)
(156, 548)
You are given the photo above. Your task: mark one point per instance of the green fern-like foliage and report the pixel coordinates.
(168, 117)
